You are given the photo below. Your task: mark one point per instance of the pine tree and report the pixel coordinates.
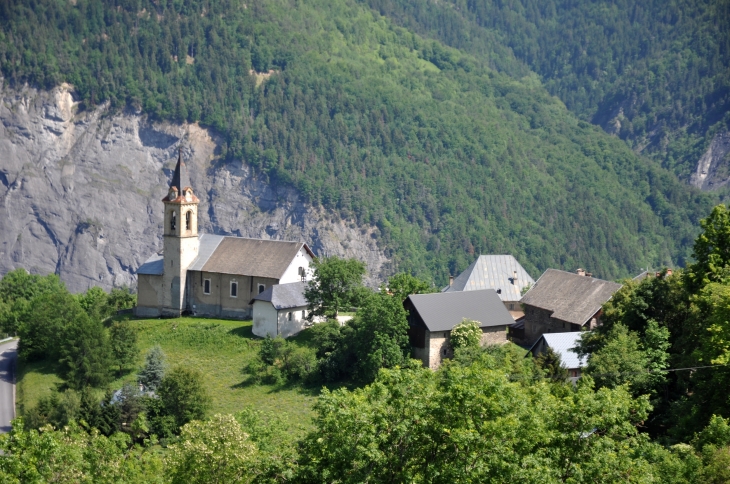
(154, 369)
(124, 344)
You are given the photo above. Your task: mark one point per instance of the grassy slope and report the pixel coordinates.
(219, 349)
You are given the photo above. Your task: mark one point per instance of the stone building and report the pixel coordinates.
(211, 275)
(563, 302)
(431, 317)
(499, 272)
(280, 310)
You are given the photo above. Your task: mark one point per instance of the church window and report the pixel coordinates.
(234, 289)
(188, 219)
(172, 221)
(302, 274)
(262, 288)
(289, 316)
(206, 286)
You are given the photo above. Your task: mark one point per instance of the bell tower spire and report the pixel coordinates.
(180, 238)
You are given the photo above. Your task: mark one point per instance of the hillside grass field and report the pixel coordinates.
(219, 349)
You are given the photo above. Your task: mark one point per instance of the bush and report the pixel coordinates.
(466, 334)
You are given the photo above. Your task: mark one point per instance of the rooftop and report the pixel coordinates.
(570, 297)
(499, 272)
(284, 296)
(442, 311)
(563, 344)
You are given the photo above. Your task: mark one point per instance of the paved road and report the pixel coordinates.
(8, 357)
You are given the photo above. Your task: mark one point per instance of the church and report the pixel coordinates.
(211, 275)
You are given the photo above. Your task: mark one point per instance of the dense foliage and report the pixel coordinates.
(672, 321)
(447, 157)
(655, 73)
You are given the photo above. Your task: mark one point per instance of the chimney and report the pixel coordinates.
(589, 274)
(451, 281)
(514, 278)
(580, 272)
(669, 272)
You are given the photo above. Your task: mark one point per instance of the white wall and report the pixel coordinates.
(290, 328)
(302, 259)
(264, 319)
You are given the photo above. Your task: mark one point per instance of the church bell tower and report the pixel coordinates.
(180, 239)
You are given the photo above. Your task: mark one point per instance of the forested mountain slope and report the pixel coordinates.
(446, 155)
(656, 73)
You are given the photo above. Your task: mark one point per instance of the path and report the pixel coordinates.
(8, 358)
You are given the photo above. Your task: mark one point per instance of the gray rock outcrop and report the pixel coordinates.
(81, 191)
(713, 168)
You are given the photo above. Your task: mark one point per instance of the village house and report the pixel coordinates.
(499, 272)
(280, 310)
(431, 317)
(562, 344)
(211, 275)
(563, 302)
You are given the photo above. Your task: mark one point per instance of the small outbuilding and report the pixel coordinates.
(431, 317)
(280, 310)
(562, 344)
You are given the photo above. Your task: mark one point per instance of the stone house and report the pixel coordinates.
(499, 272)
(280, 310)
(431, 317)
(211, 275)
(564, 302)
(562, 344)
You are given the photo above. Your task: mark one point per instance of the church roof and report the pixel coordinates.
(153, 266)
(570, 297)
(494, 272)
(236, 255)
(180, 178)
(284, 296)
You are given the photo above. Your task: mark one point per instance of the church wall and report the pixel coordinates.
(264, 319)
(302, 259)
(148, 296)
(219, 302)
(295, 325)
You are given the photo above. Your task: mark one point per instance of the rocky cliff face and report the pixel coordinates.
(713, 168)
(80, 193)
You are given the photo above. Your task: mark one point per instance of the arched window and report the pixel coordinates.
(173, 221)
(188, 219)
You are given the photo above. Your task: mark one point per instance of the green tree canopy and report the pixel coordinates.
(183, 395)
(335, 285)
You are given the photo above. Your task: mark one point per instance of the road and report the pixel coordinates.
(8, 357)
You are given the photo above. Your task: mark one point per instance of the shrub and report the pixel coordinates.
(466, 334)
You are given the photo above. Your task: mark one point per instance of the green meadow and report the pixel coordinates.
(219, 349)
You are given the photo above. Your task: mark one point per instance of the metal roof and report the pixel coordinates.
(153, 266)
(284, 296)
(494, 272)
(563, 344)
(442, 311)
(208, 244)
(570, 297)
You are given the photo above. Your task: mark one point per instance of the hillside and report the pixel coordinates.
(447, 156)
(654, 73)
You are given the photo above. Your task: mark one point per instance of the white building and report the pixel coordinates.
(280, 310)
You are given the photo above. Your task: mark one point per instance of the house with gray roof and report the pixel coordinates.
(280, 310)
(562, 302)
(499, 272)
(562, 344)
(211, 275)
(431, 317)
